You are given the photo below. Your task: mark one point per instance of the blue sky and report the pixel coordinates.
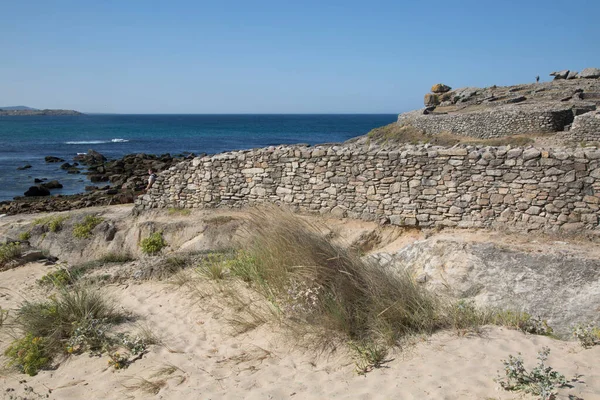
(280, 56)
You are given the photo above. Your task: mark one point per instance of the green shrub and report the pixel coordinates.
(541, 381)
(60, 277)
(587, 334)
(24, 236)
(83, 230)
(9, 252)
(56, 319)
(28, 354)
(153, 243)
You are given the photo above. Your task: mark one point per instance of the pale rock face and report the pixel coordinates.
(590, 73)
(560, 286)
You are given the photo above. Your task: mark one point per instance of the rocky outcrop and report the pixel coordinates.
(502, 111)
(559, 284)
(440, 88)
(590, 73)
(560, 74)
(92, 157)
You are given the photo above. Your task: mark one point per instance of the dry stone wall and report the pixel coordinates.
(586, 127)
(493, 122)
(412, 185)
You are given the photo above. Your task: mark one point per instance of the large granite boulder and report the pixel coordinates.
(440, 88)
(431, 100)
(572, 75)
(560, 74)
(591, 73)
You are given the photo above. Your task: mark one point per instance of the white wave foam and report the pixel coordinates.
(98, 141)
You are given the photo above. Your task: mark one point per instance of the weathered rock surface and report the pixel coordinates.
(590, 73)
(560, 286)
(560, 74)
(440, 88)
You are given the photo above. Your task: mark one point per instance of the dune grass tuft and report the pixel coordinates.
(76, 316)
(9, 252)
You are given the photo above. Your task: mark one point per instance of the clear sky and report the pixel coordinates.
(280, 56)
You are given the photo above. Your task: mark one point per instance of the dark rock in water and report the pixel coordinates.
(66, 166)
(52, 185)
(90, 158)
(98, 178)
(73, 171)
(26, 166)
(36, 180)
(90, 188)
(52, 159)
(37, 191)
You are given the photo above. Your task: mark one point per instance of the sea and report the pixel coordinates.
(29, 139)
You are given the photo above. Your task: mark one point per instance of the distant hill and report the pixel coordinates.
(18, 108)
(27, 111)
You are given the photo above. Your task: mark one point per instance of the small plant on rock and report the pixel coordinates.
(542, 381)
(54, 223)
(588, 334)
(83, 230)
(24, 236)
(153, 243)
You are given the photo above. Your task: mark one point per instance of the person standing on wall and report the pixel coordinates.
(151, 179)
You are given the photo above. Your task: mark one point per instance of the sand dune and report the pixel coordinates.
(200, 358)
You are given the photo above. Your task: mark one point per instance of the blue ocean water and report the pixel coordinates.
(27, 140)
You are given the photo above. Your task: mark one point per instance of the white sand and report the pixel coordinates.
(260, 364)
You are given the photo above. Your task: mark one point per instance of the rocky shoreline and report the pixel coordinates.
(117, 181)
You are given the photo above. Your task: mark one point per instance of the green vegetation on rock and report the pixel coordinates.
(153, 244)
(83, 230)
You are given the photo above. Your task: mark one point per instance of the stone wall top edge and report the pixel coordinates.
(591, 152)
